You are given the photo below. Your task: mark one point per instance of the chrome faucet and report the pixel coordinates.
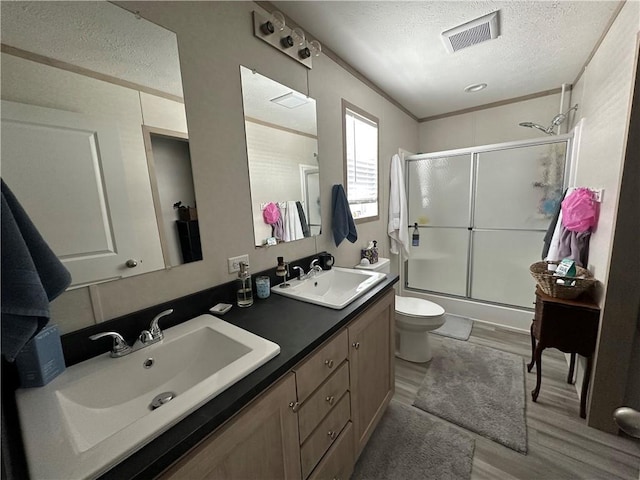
(120, 346)
(301, 275)
(314, 268)
(154, 334)
(313, 271)
(147, 337)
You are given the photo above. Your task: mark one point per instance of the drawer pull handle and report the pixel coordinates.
(356, 345)
(329, 363)
(294, 406)
(332, 434)
(330, 400)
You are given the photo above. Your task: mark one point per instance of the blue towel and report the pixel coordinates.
(32, 276)
(342, 224)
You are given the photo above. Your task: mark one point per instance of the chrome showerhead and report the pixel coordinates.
(535, 125)
(557, 120)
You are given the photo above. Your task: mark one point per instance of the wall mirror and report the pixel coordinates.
(282, 148)
(95, 140)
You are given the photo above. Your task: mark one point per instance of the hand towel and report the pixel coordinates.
(574, 245)
(342, 223)
(553, 254)
(278, 227)
(306, 231)
(32, 276)
(398, 228)
(292, 226)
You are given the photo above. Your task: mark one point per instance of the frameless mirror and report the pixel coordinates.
(282, 148)
(95, 140)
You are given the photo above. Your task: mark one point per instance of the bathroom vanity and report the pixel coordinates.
(307, 413)
(315, 420)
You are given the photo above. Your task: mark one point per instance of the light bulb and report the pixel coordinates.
(275, 22)
(277, 19)
(315, 48)
(298, 36)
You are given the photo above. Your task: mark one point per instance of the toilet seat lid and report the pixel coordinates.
(418, 307)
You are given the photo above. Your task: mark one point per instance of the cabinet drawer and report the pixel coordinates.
(316, 407)
(321, 439)
(337, 464)
(320, 365)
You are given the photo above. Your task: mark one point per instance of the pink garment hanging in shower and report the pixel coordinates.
(580, 211)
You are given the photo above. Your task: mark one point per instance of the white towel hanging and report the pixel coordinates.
(398, 228)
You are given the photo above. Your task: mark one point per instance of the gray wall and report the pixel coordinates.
(214, 39)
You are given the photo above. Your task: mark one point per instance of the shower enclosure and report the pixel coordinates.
(482, 214)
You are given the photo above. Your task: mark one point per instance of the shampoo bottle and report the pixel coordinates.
(415, 238)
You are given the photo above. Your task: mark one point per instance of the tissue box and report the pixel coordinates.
(566, 268)
(41, 359)
(370, 254)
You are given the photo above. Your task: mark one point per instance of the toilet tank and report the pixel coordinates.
(383, 265)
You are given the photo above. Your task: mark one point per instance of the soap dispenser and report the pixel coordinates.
(244, 292)
(282, 270)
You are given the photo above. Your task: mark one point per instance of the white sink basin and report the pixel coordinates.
(335, 288)
(99, 411)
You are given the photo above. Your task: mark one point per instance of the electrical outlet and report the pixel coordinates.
(234, 262)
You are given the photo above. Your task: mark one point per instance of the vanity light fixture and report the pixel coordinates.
(290, 41)
(291, 100)
(476, 87)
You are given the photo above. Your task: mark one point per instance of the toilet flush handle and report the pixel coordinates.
(356, 345)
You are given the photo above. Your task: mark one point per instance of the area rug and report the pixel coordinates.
(455, 327)
(408, 444)
(478, 388)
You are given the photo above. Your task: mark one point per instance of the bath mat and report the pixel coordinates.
(455, 327)
(408, 444)
(479, 388)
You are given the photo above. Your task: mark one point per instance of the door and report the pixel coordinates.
(371, 342)
(87, 223)
(517, 191)
(439, 194)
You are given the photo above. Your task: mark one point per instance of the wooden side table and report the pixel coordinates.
(571, 326)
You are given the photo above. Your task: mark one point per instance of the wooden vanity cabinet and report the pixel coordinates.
(371, 362)
(315, 421)
(260, 442)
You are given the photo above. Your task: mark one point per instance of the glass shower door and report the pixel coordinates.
(516, 193)
(438, 197)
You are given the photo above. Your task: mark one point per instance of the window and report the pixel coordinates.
(361, 162)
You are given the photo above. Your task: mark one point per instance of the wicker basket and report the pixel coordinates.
(548, 282)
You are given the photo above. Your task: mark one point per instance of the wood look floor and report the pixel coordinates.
(560, 445)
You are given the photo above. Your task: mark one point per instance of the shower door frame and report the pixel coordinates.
(473, 153)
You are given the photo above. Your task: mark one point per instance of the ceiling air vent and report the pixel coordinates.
(471, 33)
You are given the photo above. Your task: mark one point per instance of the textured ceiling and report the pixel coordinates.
(98, 36)
(398, 46)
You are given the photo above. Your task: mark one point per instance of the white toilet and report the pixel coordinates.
(415, 317)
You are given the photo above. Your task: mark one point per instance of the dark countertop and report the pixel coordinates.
(296, 326)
